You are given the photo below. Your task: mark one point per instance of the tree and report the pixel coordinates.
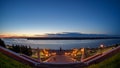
(22, 49)
(2, 43)
(29, 51)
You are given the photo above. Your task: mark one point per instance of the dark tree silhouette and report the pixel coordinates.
(29, 51)
(22, 49)
(2, 43)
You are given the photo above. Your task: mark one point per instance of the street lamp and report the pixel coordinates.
(101, 47)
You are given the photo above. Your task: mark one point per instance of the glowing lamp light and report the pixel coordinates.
(101, 45)
(46, 55)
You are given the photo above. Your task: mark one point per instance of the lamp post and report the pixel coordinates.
(83, 55)
(101, 47)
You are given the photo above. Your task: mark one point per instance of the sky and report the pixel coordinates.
(38, 17)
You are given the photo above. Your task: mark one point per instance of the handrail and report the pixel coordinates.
(17, 56)
(103, 56)
(91, 57)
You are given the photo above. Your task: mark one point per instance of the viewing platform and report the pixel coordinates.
(60, 60)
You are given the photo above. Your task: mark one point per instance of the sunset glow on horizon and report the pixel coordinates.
(7, 35)
(20, 35)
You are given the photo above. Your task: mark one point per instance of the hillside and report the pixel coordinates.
(7, 62)
(113, 62)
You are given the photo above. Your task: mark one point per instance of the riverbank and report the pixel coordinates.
(74, 53)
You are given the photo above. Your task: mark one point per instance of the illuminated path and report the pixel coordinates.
(60, 59)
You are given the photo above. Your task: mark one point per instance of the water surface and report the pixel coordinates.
(65, 44)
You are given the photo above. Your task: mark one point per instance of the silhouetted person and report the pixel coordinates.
(60, 48)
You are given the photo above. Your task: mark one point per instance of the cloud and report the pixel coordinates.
(72, 34)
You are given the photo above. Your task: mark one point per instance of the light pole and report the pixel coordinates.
(101, 47)
(82, 52)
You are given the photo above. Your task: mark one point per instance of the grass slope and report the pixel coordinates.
(113, 62)
(7, 62)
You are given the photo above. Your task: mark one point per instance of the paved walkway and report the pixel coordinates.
(60, 59)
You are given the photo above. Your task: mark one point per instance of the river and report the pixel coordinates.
(65, 44)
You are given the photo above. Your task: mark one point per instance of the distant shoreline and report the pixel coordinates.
(70, 38)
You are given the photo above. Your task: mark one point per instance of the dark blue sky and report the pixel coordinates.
(54, 16)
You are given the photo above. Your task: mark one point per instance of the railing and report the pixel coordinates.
(91, 57)
(17, 57)
(62, 65)
(103, 56)
(29, 57)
